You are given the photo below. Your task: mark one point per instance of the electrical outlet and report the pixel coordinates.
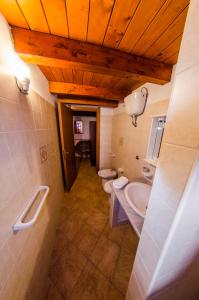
(43, 153)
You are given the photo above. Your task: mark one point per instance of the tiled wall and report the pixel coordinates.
(150, 280)
(26, 124)
(105, 137)
(129, 141)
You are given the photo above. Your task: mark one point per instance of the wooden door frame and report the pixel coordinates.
(90, 109)
(66, 170)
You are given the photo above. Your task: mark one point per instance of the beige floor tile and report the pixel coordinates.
(130, 240)
(123, 270)
(92, 285)
(53, 294)
(115, 234)
(90, 260)
(105, 256)
(97, 220)
(114, 294)
(71, 226)
(61, 243)
(66, 270)
(86, 239)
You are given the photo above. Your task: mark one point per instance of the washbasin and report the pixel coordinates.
(137, 195)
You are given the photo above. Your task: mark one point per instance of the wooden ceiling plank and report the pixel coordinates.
(112, 81)
(104, 103)
(77, 13)
(166, 16)
(78, 76)
(34, 15)
(58, 75)
(85, 90)
(55, 11)
(124, 84)
(87, 78)
(45, 49)
(143, 16)
(47, 71)
(173, 31)
(119, 83)
(105, 81)
(97, 78)
(171, 49)
(13, 14)
(68, 75)
(173, 58)
(99, 16)
(121, 16)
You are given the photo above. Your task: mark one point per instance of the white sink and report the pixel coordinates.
(137, 195)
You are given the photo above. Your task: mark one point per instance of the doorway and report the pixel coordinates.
(84, 128)
(80, 138)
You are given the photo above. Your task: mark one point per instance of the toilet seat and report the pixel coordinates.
(107, 173)
(108, 186)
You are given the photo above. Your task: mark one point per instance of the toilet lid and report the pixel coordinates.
(107, 173)
(108, 186)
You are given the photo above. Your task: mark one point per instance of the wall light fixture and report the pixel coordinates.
(21, 73)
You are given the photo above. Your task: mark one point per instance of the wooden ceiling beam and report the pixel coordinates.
(85, 90)
(101, 103)
(55, 51)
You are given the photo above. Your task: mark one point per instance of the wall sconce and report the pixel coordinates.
(21, 73)
(135, 104)
(23, 85)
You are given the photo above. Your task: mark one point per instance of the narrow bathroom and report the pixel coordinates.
(99, 151)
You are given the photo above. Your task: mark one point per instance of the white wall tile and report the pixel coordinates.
(182, 126)
(190, 42)
(151, 256)
(133, 292)
(174, 167)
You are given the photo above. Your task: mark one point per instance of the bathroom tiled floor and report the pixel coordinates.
(90, 260)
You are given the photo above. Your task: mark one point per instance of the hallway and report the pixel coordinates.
(90, 260)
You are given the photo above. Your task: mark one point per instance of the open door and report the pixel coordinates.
(67, 144)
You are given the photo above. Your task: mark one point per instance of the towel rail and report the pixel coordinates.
(21, 224)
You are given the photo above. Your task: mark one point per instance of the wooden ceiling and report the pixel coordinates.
(150, 29)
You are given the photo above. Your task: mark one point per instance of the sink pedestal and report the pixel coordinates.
(121, 212)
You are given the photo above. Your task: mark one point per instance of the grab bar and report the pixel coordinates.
(20, 223)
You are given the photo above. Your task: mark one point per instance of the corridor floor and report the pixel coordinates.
(90, 260)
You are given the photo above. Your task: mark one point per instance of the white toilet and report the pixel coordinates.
(108, 175)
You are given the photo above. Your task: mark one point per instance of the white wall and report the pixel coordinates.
(156, 93)
(177, 274)
(105, 137)
(39, 84)
(129, 141)
(27, 123)
(166, 264)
